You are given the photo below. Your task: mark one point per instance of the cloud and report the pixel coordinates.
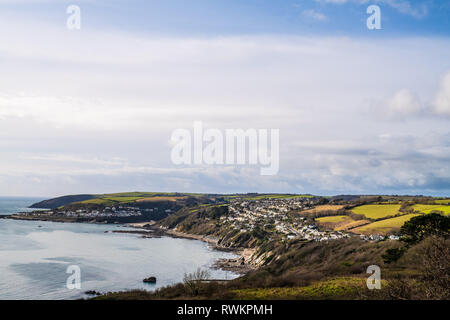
(441, 104)
(405, 7)
(403, 104)
(312, 14)
(94, 111)
(406, 104)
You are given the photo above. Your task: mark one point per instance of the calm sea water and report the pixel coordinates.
(13, 205)
(35, 255)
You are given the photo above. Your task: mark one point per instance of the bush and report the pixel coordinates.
(392, 255)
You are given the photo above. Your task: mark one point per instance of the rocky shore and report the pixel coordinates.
(144, 233)
(241, 265)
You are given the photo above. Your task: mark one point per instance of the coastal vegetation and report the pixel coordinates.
(337, 270)
(296, 246)
(415, 267)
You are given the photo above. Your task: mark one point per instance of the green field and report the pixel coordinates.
(122, 199)
(149, 194)
(96, 201)
(443, 201)
(130, 197)
(427, 208)
(385, 226)
(333, 219)
(109, 201)
(377, 211)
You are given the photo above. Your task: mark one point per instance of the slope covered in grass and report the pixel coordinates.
(427, 208)
(377, 211)
(385, 226)
(333, 219)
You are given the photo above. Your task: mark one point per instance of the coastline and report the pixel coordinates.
(147, 229)
(53, 219)
(241, 265)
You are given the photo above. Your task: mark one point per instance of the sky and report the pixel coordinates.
(92, 110)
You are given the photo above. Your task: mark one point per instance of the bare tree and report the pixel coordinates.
(193, 281)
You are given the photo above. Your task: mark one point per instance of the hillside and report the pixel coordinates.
(61, 201)
(107, 199)
(140, 198)
(129, 207)
(293, 258)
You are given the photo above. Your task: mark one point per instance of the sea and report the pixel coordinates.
(44, 260)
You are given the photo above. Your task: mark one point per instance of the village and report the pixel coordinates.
(107, 212)
(272, 215)
(277, 216)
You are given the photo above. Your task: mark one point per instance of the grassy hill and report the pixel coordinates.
(61, 201)
(133, 197)
(384, 226)
(111, 198)
(296, 268)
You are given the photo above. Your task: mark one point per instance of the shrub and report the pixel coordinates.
(392, 255)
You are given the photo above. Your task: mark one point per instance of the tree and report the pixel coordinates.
(417, 229)
(420, 227)
(192, 281)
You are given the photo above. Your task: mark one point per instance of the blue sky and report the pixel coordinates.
(92, 111)
(225, 17)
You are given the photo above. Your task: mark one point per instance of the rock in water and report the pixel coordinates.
(150, 280)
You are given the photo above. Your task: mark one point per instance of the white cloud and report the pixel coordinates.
(314, 15)
(93, 111)
(403, 104)
(405, 7)
(441, 104)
